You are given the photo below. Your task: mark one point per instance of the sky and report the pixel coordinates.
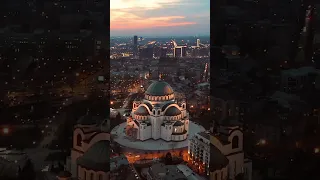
(159, 17)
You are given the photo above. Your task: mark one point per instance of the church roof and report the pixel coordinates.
(159, 88)
(149, 106)
(172, 111)
(217, 159)
(97, 157)
(89, 120)
(166, 105)
(178, 123)
(142, 111)
(64, 174)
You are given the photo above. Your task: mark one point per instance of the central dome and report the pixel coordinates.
(159, 88)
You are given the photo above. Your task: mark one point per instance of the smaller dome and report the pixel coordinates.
(142, 111)
(178, 123)
(172, 111)
(96, 157)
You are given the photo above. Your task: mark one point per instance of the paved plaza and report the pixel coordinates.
(120, 137)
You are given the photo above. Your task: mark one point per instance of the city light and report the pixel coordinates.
(262, 142)
(5, 130)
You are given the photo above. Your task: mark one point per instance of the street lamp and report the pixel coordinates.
(5, 130)
(262, 142)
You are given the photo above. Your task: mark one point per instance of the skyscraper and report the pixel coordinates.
(198, 42)
(179, 51)
(135, 41)
(135, 45)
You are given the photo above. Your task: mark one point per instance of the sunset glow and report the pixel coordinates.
(127, 16)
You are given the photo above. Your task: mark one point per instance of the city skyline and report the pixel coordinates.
(159, 18)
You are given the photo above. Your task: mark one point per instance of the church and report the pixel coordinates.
(90, 156)
(158, 115)
(220, 154)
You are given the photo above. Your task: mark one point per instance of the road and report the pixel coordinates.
(38, 157)
(148, 155)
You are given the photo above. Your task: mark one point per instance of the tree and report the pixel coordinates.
(118, 118)
(168, 159)
(239, 177)
(28, 172)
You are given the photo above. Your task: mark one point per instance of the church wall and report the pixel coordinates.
(145, 132)
(77, 150)
(156, 127)
(179, 137)
(178, 129)
(164, 133)
(236, 162)
(221, 174)
(92, 175)
(77, 132)
(248, 169)
(186, 124)
(148, 132)
(74, 156)
(229, 148)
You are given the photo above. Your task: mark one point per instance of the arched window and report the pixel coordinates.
(91, 176)
(100, 177)
(235, 142)
(84, 174)
(79, 140)
(222, 178)
(216, 176)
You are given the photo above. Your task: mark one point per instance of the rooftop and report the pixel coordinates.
(159, 88)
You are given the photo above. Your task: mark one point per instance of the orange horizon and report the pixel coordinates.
(135, 22)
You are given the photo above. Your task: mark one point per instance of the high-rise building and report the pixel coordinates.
(135, 40)
(179, 51)
(146, 53)
(198, 42)
(135, 45)
(163, 52)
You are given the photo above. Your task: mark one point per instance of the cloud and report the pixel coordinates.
(141, 4)
(131, 14)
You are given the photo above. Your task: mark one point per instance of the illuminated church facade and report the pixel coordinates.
(158, 116)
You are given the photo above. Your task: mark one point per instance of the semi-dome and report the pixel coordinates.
(172, 111)
(178, 123)
(142, 111)
(159, 88)
(97, 157)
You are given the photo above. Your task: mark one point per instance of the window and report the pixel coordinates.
(79, 140)
(100, 177)
(91, 176)
(85, 175)
(235, 167)
(235, 142)
(216, 176)
(222, 175)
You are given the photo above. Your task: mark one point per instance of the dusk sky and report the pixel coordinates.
(159, 17)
